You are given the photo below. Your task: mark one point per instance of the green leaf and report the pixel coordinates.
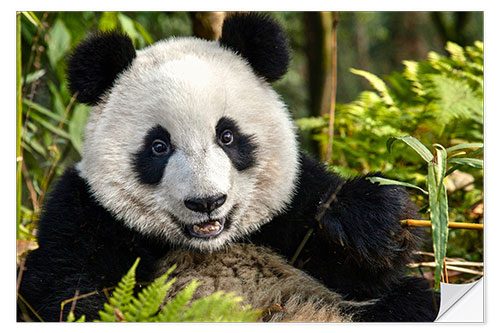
(413, 143)
(42, 110)
(108, 21)
(35, 145)
(59, 42)
(464, 146)
(32, 18)
(438, 202)
(48, 125)
(385, 181)
(34, 76)
(77, 125)
(127, 25)
(147, 37)
(472, 162)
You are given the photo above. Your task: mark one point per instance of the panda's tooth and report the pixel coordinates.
(196, 228)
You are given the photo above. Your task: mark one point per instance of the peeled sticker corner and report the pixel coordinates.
(462, 303)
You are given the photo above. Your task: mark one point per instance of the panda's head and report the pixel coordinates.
(187, 140)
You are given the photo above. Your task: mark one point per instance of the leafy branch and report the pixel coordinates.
(436, 190)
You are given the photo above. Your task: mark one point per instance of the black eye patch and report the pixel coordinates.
(150, 161)
(241, 150)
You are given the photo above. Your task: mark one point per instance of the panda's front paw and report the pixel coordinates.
(364, 218)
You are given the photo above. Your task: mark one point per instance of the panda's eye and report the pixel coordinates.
(226, 137)
(159, 147)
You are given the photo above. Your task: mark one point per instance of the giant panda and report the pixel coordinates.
(191, 157)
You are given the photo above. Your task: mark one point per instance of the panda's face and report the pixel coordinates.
(190, 145)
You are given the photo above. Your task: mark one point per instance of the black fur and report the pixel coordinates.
(81, 247)
(360, 249)
(241, 151)
(408, 300)
(260, 40)
(147, 165)
(96, 63)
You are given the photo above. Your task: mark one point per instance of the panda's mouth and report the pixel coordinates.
(207, 229)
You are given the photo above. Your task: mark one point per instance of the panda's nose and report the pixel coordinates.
(205, 205)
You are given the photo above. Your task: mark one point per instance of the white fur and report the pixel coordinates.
(186, 85)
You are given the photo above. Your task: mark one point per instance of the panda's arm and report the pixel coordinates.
(83, 248)
(357, 244)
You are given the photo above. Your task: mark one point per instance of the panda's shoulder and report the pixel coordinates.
(70, 211)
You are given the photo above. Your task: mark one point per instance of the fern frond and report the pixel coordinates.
(376, 83)
(173, 310)
(121, 296)
(456, 52)
(220, 307)
(454, 99)
(147, 303)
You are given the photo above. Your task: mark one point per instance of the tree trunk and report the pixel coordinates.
(319, 28)
(207, 25)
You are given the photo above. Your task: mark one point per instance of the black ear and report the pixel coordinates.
(260, 40)
(95, 64)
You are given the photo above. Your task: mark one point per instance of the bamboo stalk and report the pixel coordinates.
(453, 225)
(449, 267)
(19, 158)
(452, 263)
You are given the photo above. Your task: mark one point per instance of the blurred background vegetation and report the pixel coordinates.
(395, 74)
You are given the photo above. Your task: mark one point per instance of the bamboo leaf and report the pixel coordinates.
(464, 146)
(42, 110)
(32, 18)
(384, 181)
(59, 42)
(413, 143)
(147, 37)
(48, 125)
(472, 162)
(438, 202)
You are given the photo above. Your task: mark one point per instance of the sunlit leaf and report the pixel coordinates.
(464, 146)
(41, 110)
(413, 143)
(128, 26)
(108, 21)
(385, 181)
(472, 162)
(49, 126)
(59, 42)
(438, 203)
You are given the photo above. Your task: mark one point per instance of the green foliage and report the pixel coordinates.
(148, 306)
(436, 190)
(435, 100)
